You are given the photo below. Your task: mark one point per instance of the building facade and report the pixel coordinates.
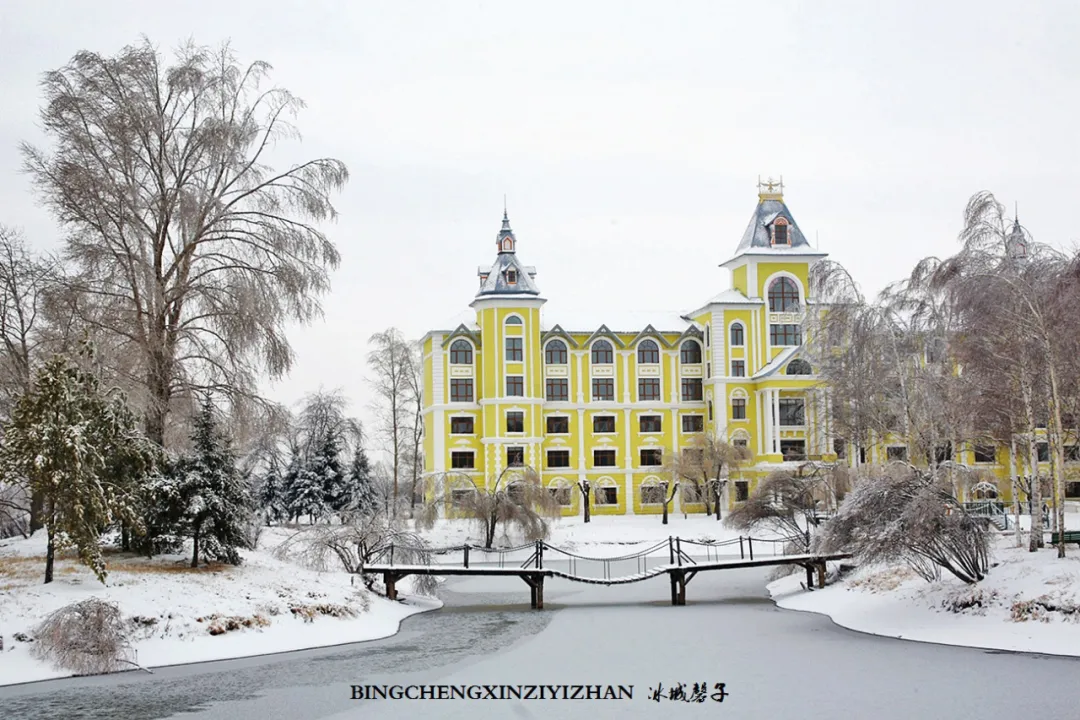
(607, 404)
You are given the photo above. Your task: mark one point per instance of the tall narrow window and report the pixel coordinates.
(738, 368)
(737, 337)
(780, 232)
(515, 422)
(738, 408)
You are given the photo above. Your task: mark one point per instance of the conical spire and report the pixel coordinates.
(1015, 242)
(506, 241)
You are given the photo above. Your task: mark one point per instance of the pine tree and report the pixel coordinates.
(304, 492)
(80, 451)
(213, 494)
(272, 492)
(361, 487)
(326, 465)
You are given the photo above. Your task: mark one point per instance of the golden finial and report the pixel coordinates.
(770, 189)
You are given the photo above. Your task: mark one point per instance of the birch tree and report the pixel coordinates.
(391, 361)
(188, 247)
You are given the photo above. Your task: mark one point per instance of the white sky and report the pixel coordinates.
(628, 136)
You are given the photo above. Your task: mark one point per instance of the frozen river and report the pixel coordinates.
(774, 664)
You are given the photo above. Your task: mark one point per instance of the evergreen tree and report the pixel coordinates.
(304, 492)
(79, 450)
(272, 492)
(211, 493)
(361, 486)
(327, 466)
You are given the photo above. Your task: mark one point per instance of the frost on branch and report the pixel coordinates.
(88, 638)
(909, 516)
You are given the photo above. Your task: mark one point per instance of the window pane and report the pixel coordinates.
(738, 368)
(557, 389)
(792, 411)
(693, 423)
(461, 426)
(558, 458)
(648, 389)
(558, 425)
(604, 424)
(513, 350)
(602, 353)
(555, 353)
(603, 389)
(515, 386)
(515, 422)
(460, 353)
(737, 335)
(738, 409)
(651, 423)
(461, 390)
(690, 353)
(691, 389)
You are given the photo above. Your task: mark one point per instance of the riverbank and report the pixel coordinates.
(178, 615)
(1028, 602)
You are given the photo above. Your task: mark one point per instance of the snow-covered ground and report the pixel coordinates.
(172, 608)
(1028, 602)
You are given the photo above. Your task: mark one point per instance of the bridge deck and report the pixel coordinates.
(679, 575)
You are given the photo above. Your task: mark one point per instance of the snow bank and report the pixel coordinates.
(172, 608)
(1006, 611)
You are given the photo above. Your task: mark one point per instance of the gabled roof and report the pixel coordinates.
(558, 332)
(651, 332)
(462, 331)
(603, 332)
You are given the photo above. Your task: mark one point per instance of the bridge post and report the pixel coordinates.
(821, 574)
(809, 577)
(750, 544)
(678, 550)
(674, 589)
(466, 554)
(540, 592)
(391, 583)
(742, 553)
(671, 548)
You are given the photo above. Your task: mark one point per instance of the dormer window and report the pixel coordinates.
(780, 232)
(511, 277)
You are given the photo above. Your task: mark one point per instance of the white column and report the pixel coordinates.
(776, 420)
(759, 412)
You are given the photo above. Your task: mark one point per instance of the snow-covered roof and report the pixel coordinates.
(733, 297)
(777, 363)
(617, 321)
(496, 281)
(757, 238)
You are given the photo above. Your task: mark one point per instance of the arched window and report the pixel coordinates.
(460, 353)
(602, 353)
(648, 352)
(783, 295)
(780, 232)
(513, 320)
(799, 367)
(738, 337)
(690, 353)
(555, 353)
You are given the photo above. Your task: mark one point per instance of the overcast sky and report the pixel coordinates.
(627, 136)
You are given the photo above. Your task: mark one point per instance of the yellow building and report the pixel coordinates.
(607, 402)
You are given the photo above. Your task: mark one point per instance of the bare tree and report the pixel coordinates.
(190, 249)
(515, 498)
(702, 467)
(89, 638)
(785, 502)
(392, 362)
(414, 398)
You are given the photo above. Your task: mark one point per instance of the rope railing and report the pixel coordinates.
(671, 550)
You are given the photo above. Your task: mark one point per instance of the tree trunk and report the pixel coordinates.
(1058, 456)
(50, 555)
(1015, 491)
(195, 548)
(37, 507)
(1035, 541)
(584, 488)
(125, 537)
(716, 498)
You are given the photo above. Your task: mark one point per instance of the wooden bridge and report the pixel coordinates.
(670, 558)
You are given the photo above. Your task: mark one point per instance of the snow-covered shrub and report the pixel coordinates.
(909, 516)
(88, 638)
(361, 541)
(970, 599)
